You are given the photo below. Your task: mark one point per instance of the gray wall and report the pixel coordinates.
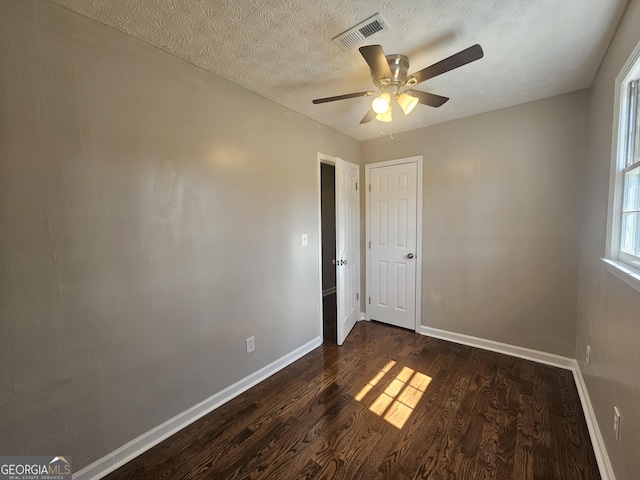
(609, 310)
(501, 220)
(150, 216)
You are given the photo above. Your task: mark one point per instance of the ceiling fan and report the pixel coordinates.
(389, 74)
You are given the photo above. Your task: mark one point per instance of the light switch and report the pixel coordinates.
(304, 240)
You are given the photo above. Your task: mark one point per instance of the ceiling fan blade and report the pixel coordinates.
(342, 97)
(374, 56)
(459, 59)
(430, 99)
(369, 116)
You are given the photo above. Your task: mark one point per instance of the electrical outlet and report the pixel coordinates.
(251, 344)
(616, 423)
(587, 356)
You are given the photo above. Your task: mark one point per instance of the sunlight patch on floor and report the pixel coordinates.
(399, 399)
(374, 381)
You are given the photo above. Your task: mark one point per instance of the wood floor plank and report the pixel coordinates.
(388, 404)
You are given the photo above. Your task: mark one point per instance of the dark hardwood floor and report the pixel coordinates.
(330, 318)
(388, 404)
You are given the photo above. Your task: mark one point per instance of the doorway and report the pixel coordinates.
(340, 260)
(328, 229)
(394, 239)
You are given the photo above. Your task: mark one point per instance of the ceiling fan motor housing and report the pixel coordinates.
(399, 66)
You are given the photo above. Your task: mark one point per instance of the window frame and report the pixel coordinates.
(624, 266)
(630, 259)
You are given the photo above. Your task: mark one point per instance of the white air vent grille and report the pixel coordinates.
(357, 34)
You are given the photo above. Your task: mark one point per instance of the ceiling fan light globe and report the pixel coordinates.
(407, 103)
(384, 117)
(381, 104)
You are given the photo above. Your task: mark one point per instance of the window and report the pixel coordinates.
(623, 234)
(630, 211)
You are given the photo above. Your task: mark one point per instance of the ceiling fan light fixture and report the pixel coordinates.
(384, 117)
(382, 104)
(407, 102)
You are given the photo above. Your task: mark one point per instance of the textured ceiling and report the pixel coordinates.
(282, 49)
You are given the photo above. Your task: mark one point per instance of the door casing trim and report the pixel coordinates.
(322, 158)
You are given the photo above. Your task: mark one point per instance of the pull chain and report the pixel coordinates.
(390, 129)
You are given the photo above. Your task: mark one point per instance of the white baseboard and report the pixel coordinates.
(604, 464)
(513, 350)
(600, 451)
(144, 442)
(363, 316)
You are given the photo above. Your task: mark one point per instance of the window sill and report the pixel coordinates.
(623, 272)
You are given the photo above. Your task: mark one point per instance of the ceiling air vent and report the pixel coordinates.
(357, 34)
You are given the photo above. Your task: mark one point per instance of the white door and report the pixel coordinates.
(393, 235)
(347, 247)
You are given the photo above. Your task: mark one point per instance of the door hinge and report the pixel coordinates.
(369, 300)
(369, 243)
(369, 187)
(357, 296)
(356, 185)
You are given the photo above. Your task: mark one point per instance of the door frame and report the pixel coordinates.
(328, 159)
(418, 160)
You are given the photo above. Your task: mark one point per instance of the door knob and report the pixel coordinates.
(409, 256)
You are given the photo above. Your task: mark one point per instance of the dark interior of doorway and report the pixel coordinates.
(328, 225)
